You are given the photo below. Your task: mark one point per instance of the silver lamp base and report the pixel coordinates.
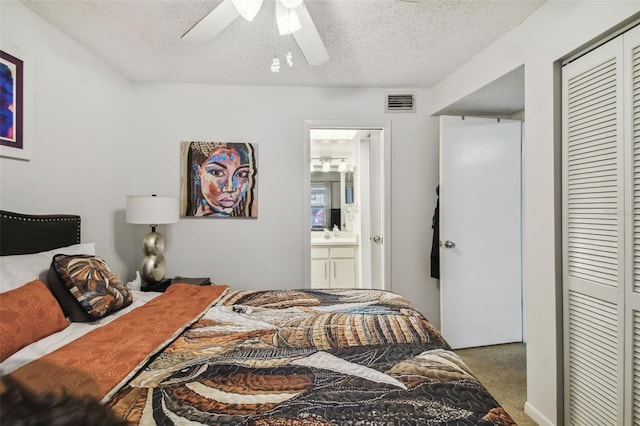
(153, 265)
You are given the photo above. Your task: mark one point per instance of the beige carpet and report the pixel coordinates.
(502, 370)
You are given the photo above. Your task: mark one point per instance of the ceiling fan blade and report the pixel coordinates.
(309, 40)
(213, 23)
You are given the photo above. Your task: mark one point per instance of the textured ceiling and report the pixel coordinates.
(371, 43)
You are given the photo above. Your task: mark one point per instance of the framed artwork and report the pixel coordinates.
(219, 179)
(15, 104)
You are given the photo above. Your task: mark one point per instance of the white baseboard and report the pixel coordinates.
(537, 417)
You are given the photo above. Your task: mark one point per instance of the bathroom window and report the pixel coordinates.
(320, 205)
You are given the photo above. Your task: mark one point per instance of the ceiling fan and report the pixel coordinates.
(292, 17)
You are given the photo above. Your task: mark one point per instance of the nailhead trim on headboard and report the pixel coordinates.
(24, 234)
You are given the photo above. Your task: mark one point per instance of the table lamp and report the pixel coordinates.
(152, 210)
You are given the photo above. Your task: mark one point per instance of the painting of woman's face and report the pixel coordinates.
(223, 179)
(219, 179)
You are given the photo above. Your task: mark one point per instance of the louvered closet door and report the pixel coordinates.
(632, 299)
(593, 237)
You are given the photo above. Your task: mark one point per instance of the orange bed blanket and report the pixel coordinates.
(100, 362)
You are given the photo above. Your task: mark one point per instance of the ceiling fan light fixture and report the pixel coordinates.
(288, 21)
(248, 9)
(296, 20)
(291, 4)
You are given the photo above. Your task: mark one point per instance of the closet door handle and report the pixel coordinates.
(449, 244)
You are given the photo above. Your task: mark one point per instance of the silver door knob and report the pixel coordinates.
(449, 244)
(376, 239)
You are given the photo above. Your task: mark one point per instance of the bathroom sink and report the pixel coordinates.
(340, 240)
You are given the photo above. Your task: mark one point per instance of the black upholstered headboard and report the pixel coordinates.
(26, 234)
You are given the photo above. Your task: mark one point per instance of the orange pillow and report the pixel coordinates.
(27, 314)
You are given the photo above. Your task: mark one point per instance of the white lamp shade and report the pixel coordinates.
(152, 210)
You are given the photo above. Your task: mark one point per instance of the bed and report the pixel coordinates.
(235, 357)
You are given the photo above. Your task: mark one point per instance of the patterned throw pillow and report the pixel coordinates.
(27, 314)
(92, 284)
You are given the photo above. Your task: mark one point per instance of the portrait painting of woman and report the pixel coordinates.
(219, 179)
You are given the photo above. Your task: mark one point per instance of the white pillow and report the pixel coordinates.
(17, 270)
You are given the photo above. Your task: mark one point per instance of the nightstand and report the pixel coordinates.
(162, 285)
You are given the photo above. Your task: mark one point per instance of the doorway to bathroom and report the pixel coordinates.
(347, 236)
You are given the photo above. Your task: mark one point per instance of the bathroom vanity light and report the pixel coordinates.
(327, 161)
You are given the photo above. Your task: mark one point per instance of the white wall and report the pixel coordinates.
(99, 138)
(555, 30)
(268, 252)
(82, 134)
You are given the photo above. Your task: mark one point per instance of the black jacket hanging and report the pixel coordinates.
(435, 244)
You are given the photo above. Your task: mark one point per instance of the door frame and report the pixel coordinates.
(385, 140)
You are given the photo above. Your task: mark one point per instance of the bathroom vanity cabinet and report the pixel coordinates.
(333, 267)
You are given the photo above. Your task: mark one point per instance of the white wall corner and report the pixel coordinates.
(536, 415)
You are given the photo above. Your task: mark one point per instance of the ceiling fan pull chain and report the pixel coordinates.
(275, 63)
(289, 54)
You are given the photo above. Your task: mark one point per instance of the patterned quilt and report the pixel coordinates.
(308, 357)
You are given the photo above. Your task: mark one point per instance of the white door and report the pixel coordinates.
(372, 206)
(480, 231)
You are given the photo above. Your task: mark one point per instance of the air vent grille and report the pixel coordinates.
(401, 103)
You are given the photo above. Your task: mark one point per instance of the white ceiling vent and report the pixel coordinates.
(400, 103)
